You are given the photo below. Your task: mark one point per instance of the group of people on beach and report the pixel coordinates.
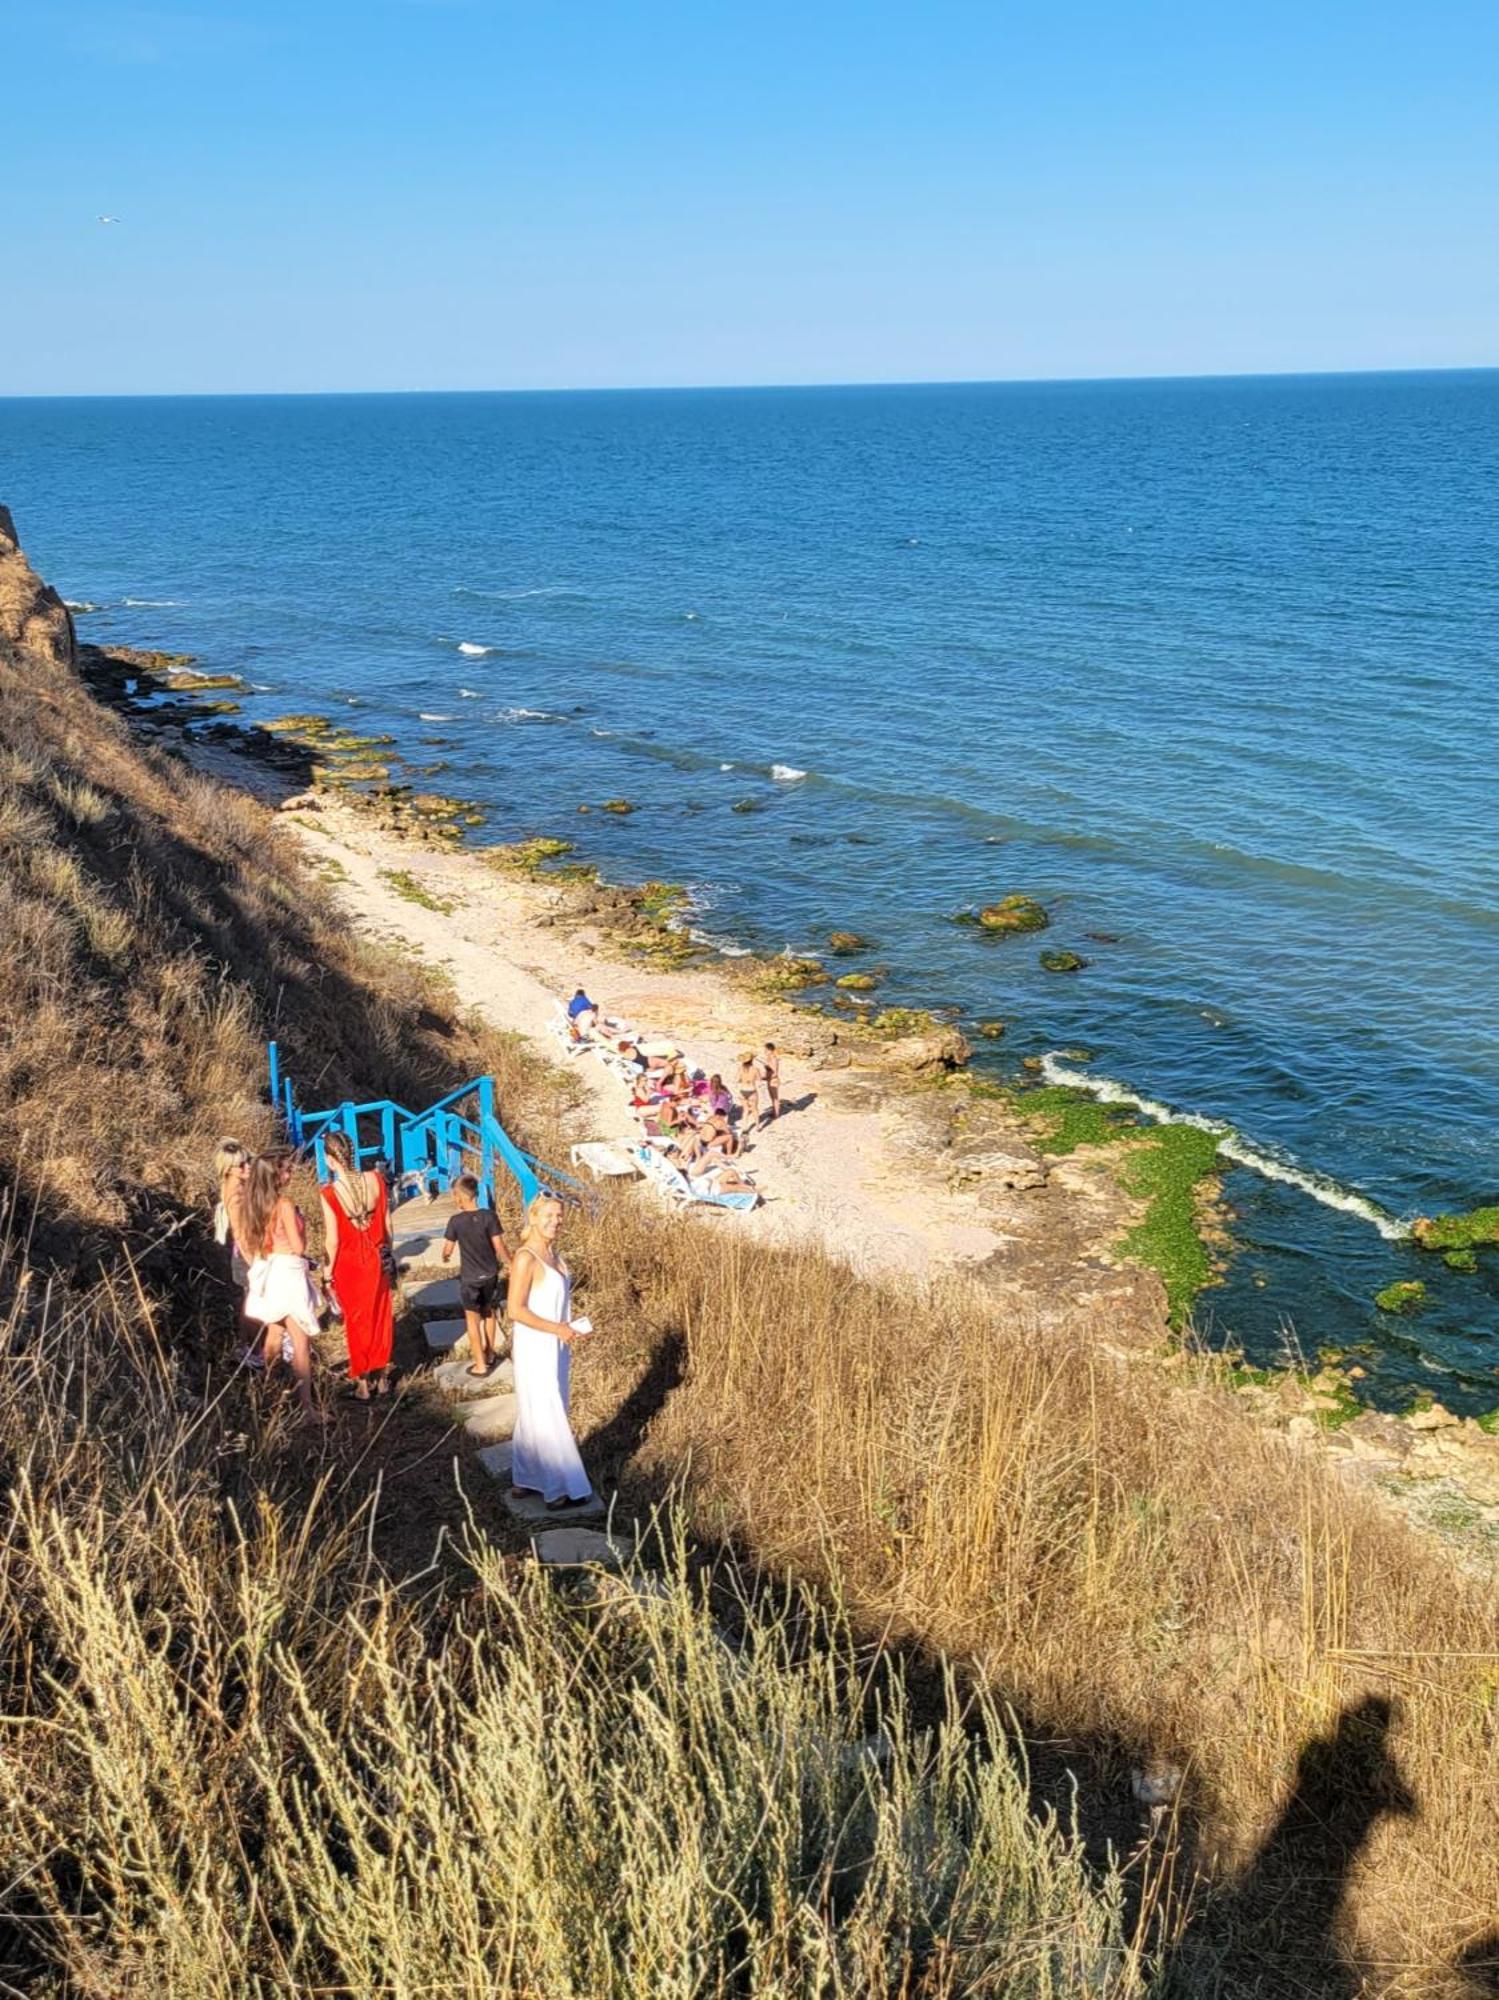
(285, 1292)
(690, 1113)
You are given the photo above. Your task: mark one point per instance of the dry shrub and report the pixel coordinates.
(239, 1760)
(1116, 1547)
(159, 929)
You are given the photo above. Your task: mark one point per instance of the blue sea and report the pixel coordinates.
(1207, 666)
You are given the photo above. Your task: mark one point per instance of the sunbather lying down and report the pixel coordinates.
(720, 1178)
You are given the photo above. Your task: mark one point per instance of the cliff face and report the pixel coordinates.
(33, 618)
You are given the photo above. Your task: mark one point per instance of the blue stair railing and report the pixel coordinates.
(460, 1133)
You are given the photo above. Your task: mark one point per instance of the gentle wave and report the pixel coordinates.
(515, 596)
(424, 716)
(470, 694)
(530, 715)
(786, 774)
(153, 603)
(475, 651)
(1233, 1146)
(82, 604)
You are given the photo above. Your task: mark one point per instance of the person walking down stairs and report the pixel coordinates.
(475, 1233)
(356, 1230)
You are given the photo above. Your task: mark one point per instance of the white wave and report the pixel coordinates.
(514, 596)
(726, 767)
(153, 603)
(786, 774)
(469, 694)
(603, 732)
(261, 687)
(725, 947)
(423, 716)
(82, 604)
(691, 616)
(1233, 1146)
(475, 652)
(529, 715)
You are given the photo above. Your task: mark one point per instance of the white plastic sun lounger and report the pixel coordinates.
(674, 1183)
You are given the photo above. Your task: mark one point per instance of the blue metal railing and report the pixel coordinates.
(436, 1145)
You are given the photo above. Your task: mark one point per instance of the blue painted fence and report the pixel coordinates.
(460, 1133)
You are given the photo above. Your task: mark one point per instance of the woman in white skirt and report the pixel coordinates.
(273, 1241)
(544, 1454)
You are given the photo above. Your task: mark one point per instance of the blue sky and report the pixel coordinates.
(522, 193)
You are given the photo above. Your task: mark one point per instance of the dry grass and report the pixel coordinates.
(1117, 1550)
(158, 929)
(229, 1717)
(238, 1759)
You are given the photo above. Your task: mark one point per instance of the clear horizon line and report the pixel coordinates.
(753, 388)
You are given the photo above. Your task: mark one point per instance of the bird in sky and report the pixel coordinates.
(109, 218)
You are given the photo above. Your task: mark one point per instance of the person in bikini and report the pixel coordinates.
(768, 1064)
(749, 1088)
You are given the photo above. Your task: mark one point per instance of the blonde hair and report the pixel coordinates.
(338, 1148)
(230, 1154)
(545, 1199)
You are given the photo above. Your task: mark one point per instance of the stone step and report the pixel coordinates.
(491, 1420)
(434, 1295)
(569, 1547)
(496, 1460)
(453, 1378)
(443, 1334)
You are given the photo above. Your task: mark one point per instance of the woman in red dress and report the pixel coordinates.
(356, 1229)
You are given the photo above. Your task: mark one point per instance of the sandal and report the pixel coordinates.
(479, 1374)
(523, 1493)
(561, 1506)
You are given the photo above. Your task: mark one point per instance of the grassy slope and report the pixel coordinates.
(237, 1756)
(1117, 1554)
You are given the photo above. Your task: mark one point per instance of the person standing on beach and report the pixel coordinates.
(749, 1089)
(544, 1454)
(356, 1237)
(476, 1234)
(769, 1067)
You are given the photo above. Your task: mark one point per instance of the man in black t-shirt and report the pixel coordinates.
(481, 1250)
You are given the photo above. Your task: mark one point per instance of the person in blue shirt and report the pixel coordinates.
(582, 1013)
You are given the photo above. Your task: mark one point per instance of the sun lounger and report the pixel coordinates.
(673, 1183)
(604, 1160)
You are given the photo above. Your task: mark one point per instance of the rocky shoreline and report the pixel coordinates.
(1038, 1172)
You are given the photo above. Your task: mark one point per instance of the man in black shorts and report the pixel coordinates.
(481, 1251)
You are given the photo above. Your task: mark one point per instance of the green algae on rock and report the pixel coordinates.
(858, 982)
(991, 1031)
(617, 806)
(788, 972)
(1169, 1167)
(846, 944)
(186, 681)
(1406, 1295)
(528, 856)
(1457, 1232)
(1062, 961)
(297, 725)
(1463, 1260)
(1011, 916)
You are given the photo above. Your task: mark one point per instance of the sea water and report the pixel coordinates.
(1206, 666)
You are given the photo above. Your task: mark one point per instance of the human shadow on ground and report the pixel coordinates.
(1276, 1928)
(1479, 1966)
(611, 1445)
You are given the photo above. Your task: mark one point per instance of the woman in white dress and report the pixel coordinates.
(544, 1454)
